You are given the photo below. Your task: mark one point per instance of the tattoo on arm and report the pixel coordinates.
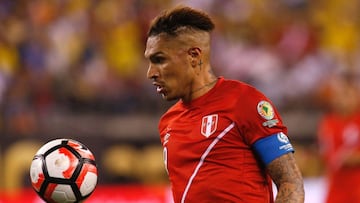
(288, 179)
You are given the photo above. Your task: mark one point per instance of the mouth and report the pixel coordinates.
(159, 88)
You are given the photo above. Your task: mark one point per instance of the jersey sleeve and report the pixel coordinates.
(261, 126)
(257, 117)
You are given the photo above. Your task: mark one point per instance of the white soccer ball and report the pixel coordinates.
(63, 171)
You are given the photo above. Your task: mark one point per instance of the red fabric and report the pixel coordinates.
(340, 137)
(231, 171)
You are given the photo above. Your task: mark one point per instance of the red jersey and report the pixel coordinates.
(338, 137)
(208, 143)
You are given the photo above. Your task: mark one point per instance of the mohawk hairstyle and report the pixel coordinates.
(170, 21)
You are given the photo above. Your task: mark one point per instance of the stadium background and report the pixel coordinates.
(75, 69)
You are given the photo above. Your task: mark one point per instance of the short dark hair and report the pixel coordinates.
(170, 20)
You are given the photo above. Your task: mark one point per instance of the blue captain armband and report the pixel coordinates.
(272, 147)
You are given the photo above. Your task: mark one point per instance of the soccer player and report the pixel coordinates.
(339, 140)
(223, 140)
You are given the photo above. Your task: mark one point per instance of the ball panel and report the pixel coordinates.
(49, 145)
(63, 194)
(81, 149)
(88, 186)
(36, 173)
(87, 179)
(61, 163)
(48, 192)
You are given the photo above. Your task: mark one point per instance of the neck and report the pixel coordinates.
(207, 85)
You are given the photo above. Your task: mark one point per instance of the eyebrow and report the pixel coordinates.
(154, 54)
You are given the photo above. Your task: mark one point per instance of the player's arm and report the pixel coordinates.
(288, 179)
(276, 153)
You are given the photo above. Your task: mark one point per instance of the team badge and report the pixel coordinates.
(265, 110)
(209, 125)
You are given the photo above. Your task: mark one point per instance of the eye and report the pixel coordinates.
(157, 59)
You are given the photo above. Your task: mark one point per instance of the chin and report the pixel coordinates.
(169, 98)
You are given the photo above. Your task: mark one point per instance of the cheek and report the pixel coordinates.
(178, 71)
(179, 74)
(172, 70)
(173, 79)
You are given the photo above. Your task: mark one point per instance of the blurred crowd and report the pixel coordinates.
(87, 55)
(81, 57)
(78, 56)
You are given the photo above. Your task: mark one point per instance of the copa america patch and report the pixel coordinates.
(265, 110)
(209, 124)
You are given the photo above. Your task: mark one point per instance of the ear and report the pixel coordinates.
(195, 53)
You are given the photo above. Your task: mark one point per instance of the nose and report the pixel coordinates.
(152, 72)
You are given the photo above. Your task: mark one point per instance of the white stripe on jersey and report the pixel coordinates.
(202, 159)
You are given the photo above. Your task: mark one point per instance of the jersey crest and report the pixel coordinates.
(265, 110)
(209, 124)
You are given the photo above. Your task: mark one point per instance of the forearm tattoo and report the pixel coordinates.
(288, 179)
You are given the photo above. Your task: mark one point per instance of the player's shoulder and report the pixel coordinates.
(174, 110)
(240, 88)
(172, 113)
